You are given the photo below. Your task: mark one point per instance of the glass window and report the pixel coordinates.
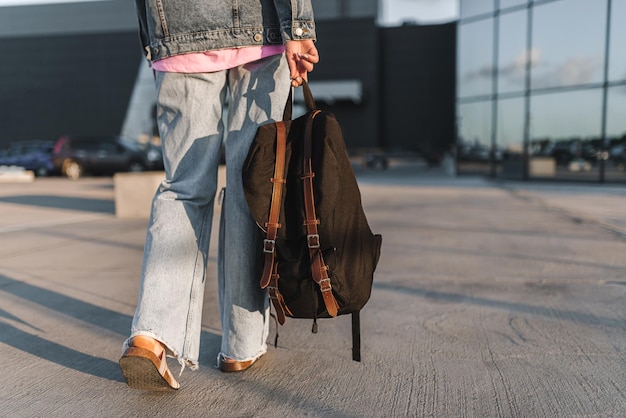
(474, 142)
(475, 58)
(566, 128)
(616, 134)
(360, 8)
(617, 46)
(570, 52)
(511, 3)
(512, 52)
(476, 7)
(510, 137)
(616, 111)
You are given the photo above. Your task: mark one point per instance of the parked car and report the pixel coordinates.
(107, 155)
(617, 154)
(33, 155)
(566, 151)
(154, 154)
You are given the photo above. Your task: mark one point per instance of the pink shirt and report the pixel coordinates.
(211, 61)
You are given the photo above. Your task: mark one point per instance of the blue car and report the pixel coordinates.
(35, 156)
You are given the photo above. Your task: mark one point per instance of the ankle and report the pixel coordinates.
(148, 343)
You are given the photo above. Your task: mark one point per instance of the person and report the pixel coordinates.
(206, 53)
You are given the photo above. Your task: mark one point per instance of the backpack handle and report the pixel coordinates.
(309, 101)
(308, 97)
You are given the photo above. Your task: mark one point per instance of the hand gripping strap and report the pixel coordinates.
(319, 269)
(269, 244)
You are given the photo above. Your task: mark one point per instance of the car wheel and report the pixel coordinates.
(72, 169)
(376, 162)
(41, 172)
(135, 167)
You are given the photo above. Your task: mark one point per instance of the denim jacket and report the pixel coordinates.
(172, 27)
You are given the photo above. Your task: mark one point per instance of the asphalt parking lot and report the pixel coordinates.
(492, 299)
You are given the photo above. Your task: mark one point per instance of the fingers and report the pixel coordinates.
(300, 68)
(301, 57)
(305, 64)
(293, 69)
(297, 81)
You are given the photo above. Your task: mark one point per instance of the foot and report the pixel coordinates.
(227, 364)
(144, 365)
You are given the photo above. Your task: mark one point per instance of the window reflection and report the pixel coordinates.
(474, 128)
(476, 7)
(616, 134)
(566, 128)
(617, 47)
(568, 43)
(512, 52)
(510, 3)
(510, 137)
(475, 58)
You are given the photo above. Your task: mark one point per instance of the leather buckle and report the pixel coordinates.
(269, 245)
(313, 240)
(273, 292)
(325, 285)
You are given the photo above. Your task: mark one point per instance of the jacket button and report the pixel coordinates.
(258, 37)
(298, 32)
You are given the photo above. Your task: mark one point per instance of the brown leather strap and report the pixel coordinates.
(277, 298)
(271, 227)
(319, 269)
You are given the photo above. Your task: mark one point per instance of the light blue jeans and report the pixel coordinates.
(190, 108)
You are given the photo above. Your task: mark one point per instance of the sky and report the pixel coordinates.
(394, 12)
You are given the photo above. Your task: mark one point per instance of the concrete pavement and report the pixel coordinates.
(490, 299)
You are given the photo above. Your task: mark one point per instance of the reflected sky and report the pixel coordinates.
(568, 51)
(510, 134)
(474, 7)
(512, 52)
(475, 58)
(617, 67)
(573, 114)
(511, 3)
(616, 112)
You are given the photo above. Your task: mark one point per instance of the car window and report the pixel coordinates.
(85, 145)
(109, 147)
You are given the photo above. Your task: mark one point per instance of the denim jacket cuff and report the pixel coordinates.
(299, 30)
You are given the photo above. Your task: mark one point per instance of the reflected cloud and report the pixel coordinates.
(575, 70)
(514, 71)
(484, 72)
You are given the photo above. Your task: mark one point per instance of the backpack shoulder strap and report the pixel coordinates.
(319, 269)
(269, 277)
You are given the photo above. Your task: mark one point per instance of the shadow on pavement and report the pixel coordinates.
(63, 202)
(86, 312)
(59, 354)
(82, 311)
(549, 312)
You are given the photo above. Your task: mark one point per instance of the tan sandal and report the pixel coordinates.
(144, 365)
(227, 364)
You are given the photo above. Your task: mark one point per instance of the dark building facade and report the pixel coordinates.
(66, 69)
(77, 68)
(418, 85)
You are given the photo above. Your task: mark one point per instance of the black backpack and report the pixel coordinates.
(318, 253)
